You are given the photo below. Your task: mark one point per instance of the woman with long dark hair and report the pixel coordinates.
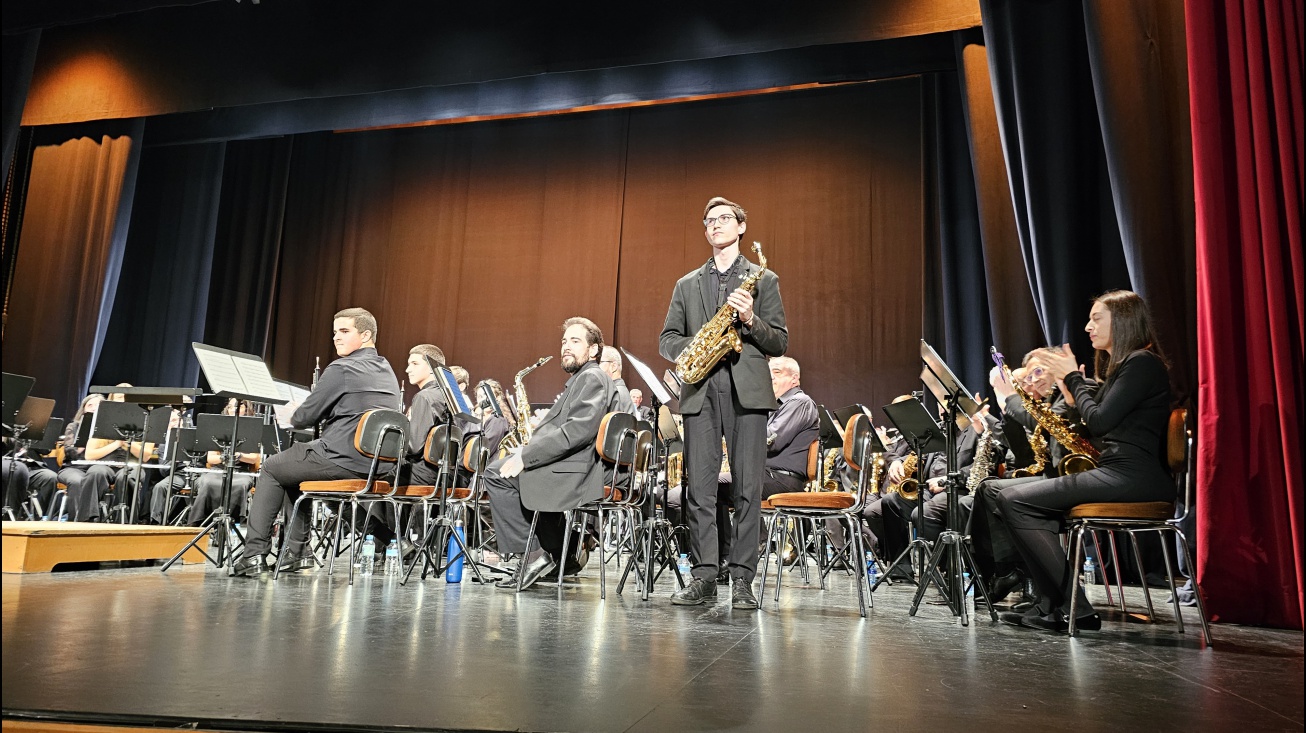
(1126, 411)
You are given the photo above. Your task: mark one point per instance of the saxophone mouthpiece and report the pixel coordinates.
(543, 360)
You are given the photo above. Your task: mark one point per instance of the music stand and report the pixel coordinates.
(436, 537)
(655, 536)
(180, 440)
(959, 406)
(15, 388)
(128, 422)
(230, 374)
(919, 429)
(27, 426)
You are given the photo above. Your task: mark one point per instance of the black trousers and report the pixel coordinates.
(278, 485)
(995, 549)
(936, 514)
(745, 435)
(887, 519)
(208, 495)
(86, 487)
(512, 521)
(381, 519)
(1035, 512)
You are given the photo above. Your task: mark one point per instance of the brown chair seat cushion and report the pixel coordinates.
(610, 495)
(1155, 510)
(414, 491)
(767, 505)
(343, 486)
(812, 500)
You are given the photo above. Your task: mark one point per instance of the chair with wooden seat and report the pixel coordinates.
(381, 435)
(818, 506)
(615, 444)
(1135, 517)
(446, 449)
(628, 449)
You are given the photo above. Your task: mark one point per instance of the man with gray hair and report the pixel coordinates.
(611, 364)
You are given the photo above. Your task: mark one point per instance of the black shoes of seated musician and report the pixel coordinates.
(1002, 586)
(697, 592)
(742, 598)
(535, 569)
(573, 566)
(723, 576)
(249, 566)
(295, 563)
(1055, 621)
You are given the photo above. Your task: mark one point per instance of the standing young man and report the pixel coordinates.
(731, 402)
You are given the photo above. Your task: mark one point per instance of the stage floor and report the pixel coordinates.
(193, 646)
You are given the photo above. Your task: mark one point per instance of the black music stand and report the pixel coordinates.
(958, 406)
(25, 428)
(240, 376)
(149, 399)
(128, 422)
(437, 534)
(180, 441)
(925, 436)
(656, 537)
(16, 388)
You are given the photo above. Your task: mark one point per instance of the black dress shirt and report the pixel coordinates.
(347, 388)
(790, 431)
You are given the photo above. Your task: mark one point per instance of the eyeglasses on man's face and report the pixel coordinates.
(1034, 375)
(724, 219)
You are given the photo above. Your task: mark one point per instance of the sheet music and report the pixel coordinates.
(294, 395)
(258, 381)
(649, 378)
(220, 371)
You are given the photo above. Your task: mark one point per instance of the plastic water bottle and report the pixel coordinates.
(683, 564)
(965, 583)
(63, 517)
(392, 558)
(872, 572)
(368, 556)
(454, 572)
(1089, 576)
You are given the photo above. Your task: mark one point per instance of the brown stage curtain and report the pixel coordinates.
(69, 255)
(483, 238)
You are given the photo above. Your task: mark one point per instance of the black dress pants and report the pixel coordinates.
(745, 435)
(278, 484)
(86, 487)
(995, 550)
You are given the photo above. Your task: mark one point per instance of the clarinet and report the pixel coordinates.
(317, 371)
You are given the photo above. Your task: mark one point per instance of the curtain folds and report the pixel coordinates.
(17, 59)
(1056, 167)
(164, 286)
(79, 201)
(247, 245)
(1245, 60)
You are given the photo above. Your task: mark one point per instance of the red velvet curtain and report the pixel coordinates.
(1245, 66)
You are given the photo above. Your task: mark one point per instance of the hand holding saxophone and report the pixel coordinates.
(742, 301)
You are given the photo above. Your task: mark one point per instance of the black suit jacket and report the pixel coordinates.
(693, 303)
(562, 469)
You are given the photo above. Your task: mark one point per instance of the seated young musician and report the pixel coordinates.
(558, 469)
(1127, 414)
(359, 381)
(209, 486)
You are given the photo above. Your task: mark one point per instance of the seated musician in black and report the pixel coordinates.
(359, 381)
(1127, 417)
(995, 554)
(87, 485)
(495, 426)
(559, 468)
(427, 410)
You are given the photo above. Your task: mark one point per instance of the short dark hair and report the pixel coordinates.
(593, 336)
(716, 201)
(363, 320)
(430, 351)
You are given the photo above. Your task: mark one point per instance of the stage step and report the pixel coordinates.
(36, 547)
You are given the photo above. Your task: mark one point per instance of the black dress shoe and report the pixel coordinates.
(723, 576)
(742, 597)
(1001, 586)
(1023, 606)
(1044, 622)
(295, 563)
(508, 582)
(536, 569)
(698, 592)
(407, 548)
(1091, 622)
(248, 566)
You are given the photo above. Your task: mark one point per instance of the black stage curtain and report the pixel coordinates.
(1043, 90)
(1092, 106)
(17, 58)
(1136, 52)
(247, 249)
(959, 326)
(163, 290)
(80, 191)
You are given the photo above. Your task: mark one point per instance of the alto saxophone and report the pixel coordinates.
(877, 473)
(718, 336)
(1080, 454)
(908, 488)
(1039, 445)
(522, 432)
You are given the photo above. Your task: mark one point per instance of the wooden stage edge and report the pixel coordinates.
(28, 726)
(36, 547)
